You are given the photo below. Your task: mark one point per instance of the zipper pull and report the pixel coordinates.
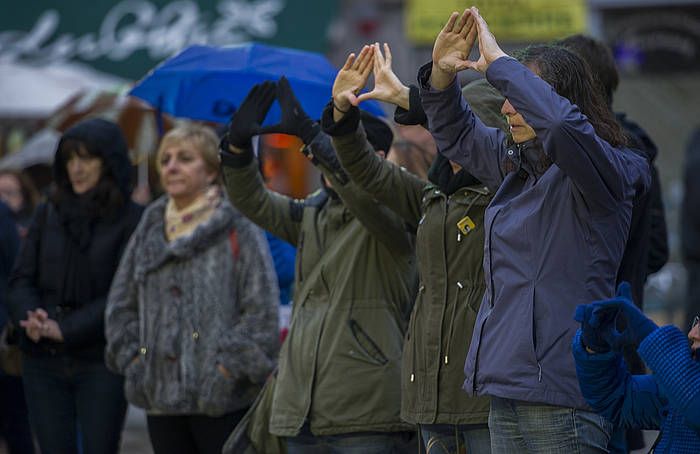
(412, 378)
(459, 237)
(446, 360)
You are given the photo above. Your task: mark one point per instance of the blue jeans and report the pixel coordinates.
(66, 395)
(352, 443)
(448, 438)
(523, 427)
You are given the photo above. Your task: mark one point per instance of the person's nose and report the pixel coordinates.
(171, 166)
(75, 166)
(507, 108)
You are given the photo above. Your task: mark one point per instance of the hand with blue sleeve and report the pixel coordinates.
(591, 337)
(619, 321)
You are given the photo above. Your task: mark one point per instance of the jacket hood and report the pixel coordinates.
(105, 139)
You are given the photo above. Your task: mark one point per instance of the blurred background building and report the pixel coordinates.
(62, 61)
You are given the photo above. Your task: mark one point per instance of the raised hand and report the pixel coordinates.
(620, 322)
(294, 120)
(387, 86)
(489, 50)
(452, 47)
(245, 122)
(351, 78)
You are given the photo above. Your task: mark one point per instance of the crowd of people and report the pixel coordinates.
(484, 309)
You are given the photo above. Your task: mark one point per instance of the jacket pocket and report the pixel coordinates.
(216, 393)
(135, 383)
(366, 346)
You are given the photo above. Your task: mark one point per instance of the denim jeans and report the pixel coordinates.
(66, 395)
(524, 427)
(352, 443)
(449, 439)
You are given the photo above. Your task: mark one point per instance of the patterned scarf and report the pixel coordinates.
(179, 223)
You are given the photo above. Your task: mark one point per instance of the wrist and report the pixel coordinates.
(308, 130)
(439, 78)
(403, 97)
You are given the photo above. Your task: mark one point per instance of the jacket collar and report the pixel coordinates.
(156, 249)
(529, 157)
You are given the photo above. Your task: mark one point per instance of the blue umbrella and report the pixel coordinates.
(209, 82)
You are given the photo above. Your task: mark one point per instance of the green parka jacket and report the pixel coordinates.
(449, 250)
(355, 282)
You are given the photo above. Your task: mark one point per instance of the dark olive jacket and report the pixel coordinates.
(339, 366)
(451, 281)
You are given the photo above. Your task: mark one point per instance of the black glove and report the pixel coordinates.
(247, 120)
(294, 120)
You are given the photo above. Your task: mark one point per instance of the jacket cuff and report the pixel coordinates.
(236, 160)
(347, 125)
(415, 115)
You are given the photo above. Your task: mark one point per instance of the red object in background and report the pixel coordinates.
(367, 27)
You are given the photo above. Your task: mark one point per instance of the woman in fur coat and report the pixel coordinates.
(191, 318)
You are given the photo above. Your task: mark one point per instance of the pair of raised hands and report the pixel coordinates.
(38, 325)
(450, 55)
(614, 323)
(247, 121)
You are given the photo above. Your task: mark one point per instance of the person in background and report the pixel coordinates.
(58, 292)
(191, 319)
(14, 419)
(19, 193)
(414, 149)
(448, 213)
(646, 251)
(555, 229)
(337, 384)
(690, 225)
(668, 400)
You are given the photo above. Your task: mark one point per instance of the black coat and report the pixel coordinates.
(646, 250)
(44, 271)
(39, 273)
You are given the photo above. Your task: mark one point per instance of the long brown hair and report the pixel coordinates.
(571, 78)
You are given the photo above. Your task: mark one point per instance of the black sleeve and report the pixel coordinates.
(658, 235)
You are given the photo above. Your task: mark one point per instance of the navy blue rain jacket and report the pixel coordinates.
(554, 234)
(668, 401)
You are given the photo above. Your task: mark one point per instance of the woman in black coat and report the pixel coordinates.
(59, 287)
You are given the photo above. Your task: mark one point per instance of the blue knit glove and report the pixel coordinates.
(591, 337)
(619, 321)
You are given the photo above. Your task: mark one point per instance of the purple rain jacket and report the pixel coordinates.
(554, 234)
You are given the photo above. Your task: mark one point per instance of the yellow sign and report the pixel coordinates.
(509, 20)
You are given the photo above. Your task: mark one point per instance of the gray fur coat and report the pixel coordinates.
(177, 310)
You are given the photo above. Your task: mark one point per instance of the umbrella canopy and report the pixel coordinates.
(208, 82)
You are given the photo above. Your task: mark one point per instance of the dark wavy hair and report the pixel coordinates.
(599, 58)
(571, 78)
(106, 200)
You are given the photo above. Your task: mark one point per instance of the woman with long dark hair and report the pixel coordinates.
(59, 287)
(555, 230)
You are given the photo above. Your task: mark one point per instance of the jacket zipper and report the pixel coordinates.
(413, 338)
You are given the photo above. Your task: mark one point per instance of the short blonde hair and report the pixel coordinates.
(201, 137)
